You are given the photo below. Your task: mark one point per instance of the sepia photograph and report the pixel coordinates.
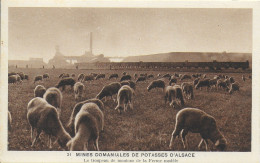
(168, 82)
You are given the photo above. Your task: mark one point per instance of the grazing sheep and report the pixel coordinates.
(150, 76)
(54, 97)
(39, 91)
(166, 76)
(26, 77)
(232, 80)
(94, 74)
(187, 89)
(99, 76)
(145, 74)
(213, 82)
(125, 77)
(195, 81)
(61, 75)
(18, 79)
(135, 75)
(173, 80)
(21, 74)
(78, 90)
(109, 90)
(172, 93)
(38, 78)
(73, 75)
(221, 84)
(81, 77)
(66, 81)
(124, 98)
(113, 76)
(203, 83)
(156, 84)
(197, 121)
(233, 87)
(129, 82)
(44, 117)
(65, 76)
(12, 79)
(87, 127)
(77, 108)
(243, 78)
(89, 78)
(46, 76)
(185, 76)
(9, 121)
(12, 73)
(141, 78)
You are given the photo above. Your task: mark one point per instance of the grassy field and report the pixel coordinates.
(146, 128)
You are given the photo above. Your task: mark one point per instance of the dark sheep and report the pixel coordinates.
(39, 91)
(167, 76)
(100, 76)
(221, 84)
(156, 84)
(130, 83)
(203, 83)
(12, 79)
(113, 76)
(89, 78)
(141, 78)
(81, 77)
(26, 77)
(185, 76)
(109, 90)
(94, 74)
(150, 76)
(21, 74)
(66, 81)
(37, 78)
(126, 77)
(197, 121)
(46, 76)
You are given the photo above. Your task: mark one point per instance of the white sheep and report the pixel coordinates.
(197, 121)
(124, 98)
(39, 91)
(54, 97)
(44, 117)
(78, 90)
(172, 93)
(87, 127)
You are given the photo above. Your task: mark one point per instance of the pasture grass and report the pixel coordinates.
(148, 126)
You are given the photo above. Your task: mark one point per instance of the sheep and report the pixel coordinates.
(11, 73)
(54, 97)
(26, 77)
(125, 77)
(89, 78)
(109, 90)
(87, 127)
(99, 76)
(46, 76)
(78, 90)
(150, 76)
(203, 83)
(221, 84)
(204, 76)
(156, 84)
(21, 74)
(94, 74)
(213, 82)
(66, 81)
(12, 79)
(172, 80)
(73, 75)
(141, 78)
(197, 121)
(77, 108)
(187, 89)
(39, 91)
(171, 93)
(81, 77)
(166, 76)
(243, 78)
(233, 87)
(145, 74)
(113, 76)
(124, 98)
(195, 81)
(37, 78)
(124, 73)
(232, 80)
(185, 76)
(18, 78)
(129, 82)
(44, 117)
(9, 121)
(65, 76)
(216, 77)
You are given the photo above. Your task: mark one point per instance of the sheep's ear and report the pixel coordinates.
(217, 143)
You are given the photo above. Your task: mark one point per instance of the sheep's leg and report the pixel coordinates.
(175, 132)
(125, 107)
(32, 133)
(184, 140)
(96, 144)
(200, 143)
(49, 140)
(36, 137)
(85, 147)
(206, 144)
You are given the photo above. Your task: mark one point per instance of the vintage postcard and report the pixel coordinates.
(130, 81)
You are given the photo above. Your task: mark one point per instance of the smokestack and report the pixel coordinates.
(90, 43)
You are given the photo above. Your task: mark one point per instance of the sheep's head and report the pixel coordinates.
(221, 144)
(63, 140)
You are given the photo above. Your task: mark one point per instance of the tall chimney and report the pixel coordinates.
(90, 45)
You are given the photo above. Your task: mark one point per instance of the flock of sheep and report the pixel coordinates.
(87, 119)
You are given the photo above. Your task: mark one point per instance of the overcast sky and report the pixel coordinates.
(34, 32)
